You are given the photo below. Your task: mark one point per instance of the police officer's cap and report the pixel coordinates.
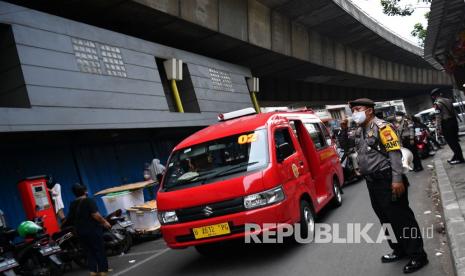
(362, 102)
(435, 91)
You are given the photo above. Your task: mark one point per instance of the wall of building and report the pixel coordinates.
(77, 76)
(97, 159)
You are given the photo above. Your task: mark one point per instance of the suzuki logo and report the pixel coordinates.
(207, 211)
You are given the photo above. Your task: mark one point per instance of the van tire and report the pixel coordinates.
(307, 221)
(337, 192)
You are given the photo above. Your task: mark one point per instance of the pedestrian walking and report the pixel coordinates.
(54, 189)
(380, 162)
(406, 131)
(447, 122)
(156, 168)
(89, 224)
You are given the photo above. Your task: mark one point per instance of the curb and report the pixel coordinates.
(454, 211)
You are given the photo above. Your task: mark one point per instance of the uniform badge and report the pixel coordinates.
(387, 135)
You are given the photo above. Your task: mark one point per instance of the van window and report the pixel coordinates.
(220, 158)
(282, 136)
(316, 134)
(325, 131)
(294, 129)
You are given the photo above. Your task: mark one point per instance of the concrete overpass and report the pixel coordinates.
(302, 50)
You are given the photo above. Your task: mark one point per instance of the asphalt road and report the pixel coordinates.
(153, 258)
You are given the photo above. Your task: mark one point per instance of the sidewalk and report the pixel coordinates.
(451, 182)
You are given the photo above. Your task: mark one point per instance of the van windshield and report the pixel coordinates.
(203, 163)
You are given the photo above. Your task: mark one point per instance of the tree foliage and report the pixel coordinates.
(395, 7)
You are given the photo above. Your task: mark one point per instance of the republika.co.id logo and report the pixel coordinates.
(330, 233)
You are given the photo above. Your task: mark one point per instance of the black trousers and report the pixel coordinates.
(397, 213)
(94, 247)
(450, 130)
(413, 148)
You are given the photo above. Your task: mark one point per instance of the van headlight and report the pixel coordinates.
(167, 217)
(261, 199)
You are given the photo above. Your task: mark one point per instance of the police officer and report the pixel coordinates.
(380, 162)
(447, 123)
(406, 131)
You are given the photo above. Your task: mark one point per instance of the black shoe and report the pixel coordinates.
(455, 162)
(391, 257)
(415, 264)
(418, 169)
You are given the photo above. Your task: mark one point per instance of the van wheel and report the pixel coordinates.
(337, 199)
(307, 221)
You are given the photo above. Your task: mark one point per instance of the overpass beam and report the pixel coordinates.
(300, 41)
(280, 33)
(259, 18)
(233, 18)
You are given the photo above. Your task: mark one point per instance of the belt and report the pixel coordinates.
(381, 174)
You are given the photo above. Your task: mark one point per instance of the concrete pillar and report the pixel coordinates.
(259, 17)
(201, 12)
(340, 57)
(316, 47)
(300, 42)
(280, 34)
(233, 18)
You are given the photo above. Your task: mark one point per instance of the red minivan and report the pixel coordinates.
(277, 167)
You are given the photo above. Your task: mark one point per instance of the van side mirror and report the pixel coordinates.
(283, 151)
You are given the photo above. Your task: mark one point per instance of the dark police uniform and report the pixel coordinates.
(380, 162)
(406, 131)
(447, 120)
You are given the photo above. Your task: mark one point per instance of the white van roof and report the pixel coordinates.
(429, 110)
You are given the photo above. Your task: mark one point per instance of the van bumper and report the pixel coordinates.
(180, 235)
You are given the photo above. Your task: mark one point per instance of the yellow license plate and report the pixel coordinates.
(211, 230)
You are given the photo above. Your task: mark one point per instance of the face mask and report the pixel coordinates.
(359, 117)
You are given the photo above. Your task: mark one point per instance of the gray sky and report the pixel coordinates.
(401, 25)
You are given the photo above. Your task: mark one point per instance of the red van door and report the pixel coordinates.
(323, 178)
(290, 164)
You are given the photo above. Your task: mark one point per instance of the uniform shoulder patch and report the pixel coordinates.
(389, 138)
(380, 123)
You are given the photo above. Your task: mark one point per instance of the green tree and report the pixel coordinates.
(395, 7)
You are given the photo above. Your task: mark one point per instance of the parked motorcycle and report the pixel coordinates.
(350, 174)
(37, 254)
(72, 250)
(119, 238)
(424, 145)
(7, 263)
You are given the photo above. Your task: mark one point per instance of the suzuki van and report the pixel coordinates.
(263, 168)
